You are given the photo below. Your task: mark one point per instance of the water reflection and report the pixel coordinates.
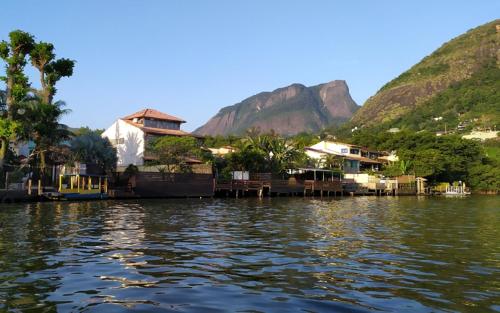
(349, 255)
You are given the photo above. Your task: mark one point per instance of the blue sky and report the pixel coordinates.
(191, 58)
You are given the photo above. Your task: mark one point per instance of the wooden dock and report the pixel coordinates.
(276, 187)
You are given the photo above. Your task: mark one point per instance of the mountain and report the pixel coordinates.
(459, 82)
(287, 111)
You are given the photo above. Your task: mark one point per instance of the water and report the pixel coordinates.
(362, 254)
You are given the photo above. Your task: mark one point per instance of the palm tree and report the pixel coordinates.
(279, 153)
(93, 149)
(40, 123)
(404, 166)
(331, 161)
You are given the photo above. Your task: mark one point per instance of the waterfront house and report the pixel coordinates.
(130, 134)
(355, 158)
(389, 158)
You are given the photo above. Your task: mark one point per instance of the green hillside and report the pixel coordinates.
(443, 84)
(474, 102)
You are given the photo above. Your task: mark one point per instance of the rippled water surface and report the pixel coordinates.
(248, 255)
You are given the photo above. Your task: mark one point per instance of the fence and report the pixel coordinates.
(151, 184)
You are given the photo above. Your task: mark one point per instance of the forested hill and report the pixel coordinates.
(459, 82)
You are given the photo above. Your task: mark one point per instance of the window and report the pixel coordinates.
(161, 124)
(118, 141)
(344, 150)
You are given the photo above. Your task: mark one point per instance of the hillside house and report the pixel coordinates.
(355, 158)
(131, 134)
(222, 151)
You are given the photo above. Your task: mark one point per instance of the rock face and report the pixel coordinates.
(454, 62)
(287, 111)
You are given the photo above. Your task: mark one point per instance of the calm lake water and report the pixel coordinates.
(361, 254)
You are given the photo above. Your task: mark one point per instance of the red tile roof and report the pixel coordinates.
(150, 113)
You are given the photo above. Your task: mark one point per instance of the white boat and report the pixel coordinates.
(456, 191)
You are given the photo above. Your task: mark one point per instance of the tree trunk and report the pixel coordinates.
(9, 100)
(3, 151)
(45, 94)
(42, 164)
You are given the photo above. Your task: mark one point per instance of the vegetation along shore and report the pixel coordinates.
(431, 130)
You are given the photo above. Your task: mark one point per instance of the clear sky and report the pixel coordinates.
(191, 58)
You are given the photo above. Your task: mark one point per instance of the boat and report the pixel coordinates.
(80, 187)
(459, 190)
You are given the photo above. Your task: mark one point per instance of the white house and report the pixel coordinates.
(130, 134)
(355, 158)
(481, 135)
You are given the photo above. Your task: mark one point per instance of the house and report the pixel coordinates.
(131, 134)
(354, 158)
(389, 158)
(222, 151)
(481, 135)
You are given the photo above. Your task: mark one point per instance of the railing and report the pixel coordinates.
(456, 189)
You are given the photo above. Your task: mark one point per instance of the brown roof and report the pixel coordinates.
(159, 131)
(362, 159)
(150, 113)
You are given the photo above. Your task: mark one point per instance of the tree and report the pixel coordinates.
(428, 163)
(51, 70)
(485, 176)
(331, 161)
(246, 159)
(39, 122)
(392, 170)
(278, 153)
(13, 53)
(172, 152)
(91, 148)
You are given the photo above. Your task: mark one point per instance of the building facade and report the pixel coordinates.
(354, 158)
(130, 135)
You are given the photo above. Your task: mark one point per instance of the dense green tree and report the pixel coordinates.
(220, 141)
(485, 176)
(91, 148)
(279, 153)
(13, 53)
(247, 159)
(172, 152)
(40, 122)
(51, 70)
(303, 139)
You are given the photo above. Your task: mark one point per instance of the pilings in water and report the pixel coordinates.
(312, 188)
(239, 188)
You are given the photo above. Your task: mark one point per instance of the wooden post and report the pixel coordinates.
(99, 183)
(71, 182)
(105, 184)
(78, 183)
(90, 183)
(39, 187)
(60, 182)
(29, 186)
